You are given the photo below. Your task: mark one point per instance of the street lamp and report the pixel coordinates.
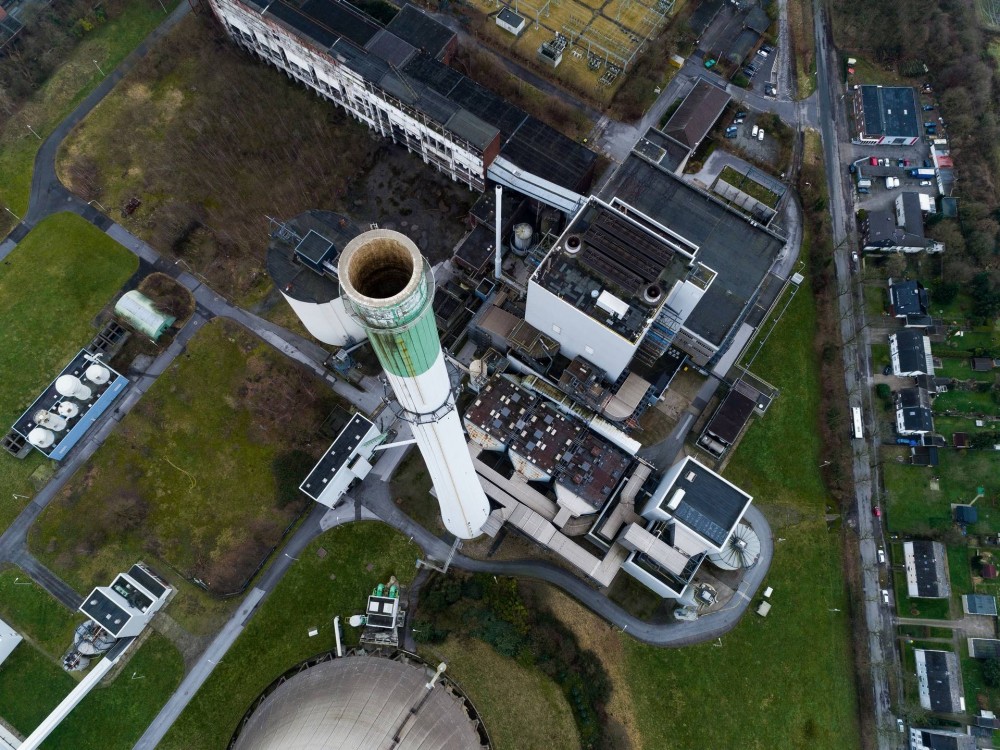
(99, 69)
(94, 202)
(19, 219)
(34, 133)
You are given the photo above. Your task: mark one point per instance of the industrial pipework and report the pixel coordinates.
(388, 286)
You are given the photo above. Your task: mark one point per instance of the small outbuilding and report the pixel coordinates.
(511, 21)
(9, 639)
(966, 514)
(139, 311)
(982, 364)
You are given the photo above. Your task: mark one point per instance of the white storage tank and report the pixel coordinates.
(54, 422)
(68, 409)
(41, 438)
(98, 374)
(71, 387)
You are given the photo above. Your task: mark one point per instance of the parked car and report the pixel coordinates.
(877, 511)
(900, 726)
(753, 133)
(873, 161)
(926, 183)
(771, 90)
(863, 191)
(881, 556)
(760, 135)
(885, 596)
(767, 48)
(762, 52)
(738, 121)
(900, 163)
(928, 107)
(852, 168)
(741, 113)
(887, 370)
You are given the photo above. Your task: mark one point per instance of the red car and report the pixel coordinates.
(873, 161)
(877, 511)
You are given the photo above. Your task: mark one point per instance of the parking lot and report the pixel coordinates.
(879, 195)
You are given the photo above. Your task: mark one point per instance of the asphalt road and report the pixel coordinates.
(882, 655)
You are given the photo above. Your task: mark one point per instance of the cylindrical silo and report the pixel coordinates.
(388, 285)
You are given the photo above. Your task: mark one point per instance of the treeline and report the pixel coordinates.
(945, 36)
(495, 611)
(49, 35)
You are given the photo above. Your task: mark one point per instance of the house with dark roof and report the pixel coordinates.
(907, 297)
(940, 739)
(939, 681)
(910, 351)
(757, 20)
(926, 565)
(886, 115)
(696, 115)
(898, 228)
(913, 412)
(982, 364)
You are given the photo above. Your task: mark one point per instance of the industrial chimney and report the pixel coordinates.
(388, 285)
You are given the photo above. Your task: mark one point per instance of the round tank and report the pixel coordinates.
(41, 438)
(68, 409)
(98, 374)
(54, 422)
(356, 621)
(522, 238)
(71, 387)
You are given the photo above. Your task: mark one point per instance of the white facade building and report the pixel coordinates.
(125, 607)
(347, 460)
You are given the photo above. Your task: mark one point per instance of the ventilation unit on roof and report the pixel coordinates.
(675, 499)
(573, 244)
(690, 476)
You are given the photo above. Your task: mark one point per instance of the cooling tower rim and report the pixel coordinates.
(365, 240)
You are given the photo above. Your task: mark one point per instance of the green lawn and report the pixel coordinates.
(913, 507)
(754, 189)
(202, 474)
(520, 707)
(960, 573)
(45, 319)
(967, 402)
(113, 717)
(875, 301)
(31, 685)
(931, 609)
(314, 591)
(32, 611)
(960, 368)
(72, 81)
(768, 666)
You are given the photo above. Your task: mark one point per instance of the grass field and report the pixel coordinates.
(748, 186)
(931, 609)
(875, 301)
(202, 474)
(32, 611)
(521, 708)
(45, 319)
(314, 591)
(913, 507)
(765, 663)
(967, 402)
(411, 490)
(113, 717)
(960, 368)
(24, 708)
(800, 23)
(108, 44)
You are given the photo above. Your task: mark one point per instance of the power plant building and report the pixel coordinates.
(395, 80)
(348, 459)
(302, 263)
(124, 607)
(388, 285)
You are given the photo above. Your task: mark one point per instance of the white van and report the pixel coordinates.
(760, 135)
(753, 133)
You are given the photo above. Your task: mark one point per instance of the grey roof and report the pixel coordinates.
(929, 566)
(914, 404)
(880, 230)
(391, 48)
(907, 297)
(984, 648)
(289, 274)
(739, 252)
(147, 580)
(697, 114)
(660, 148)
(979, 604)
(510, 18)
(890, 111)
(942, 680)
(913, 215)
(757, 19)
(732, 415)
(336, 456)
(106, 613)
(359, 702)
(537, 148)
(419, 29)
(912, 352)
(711, 506)
(941, 739)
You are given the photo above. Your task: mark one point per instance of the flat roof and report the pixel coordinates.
(984, 648)
(147, 580)
(890, 111)
(617, 261)
(319, 230)
(136, 597)
(546, 152)
(102, 396)
(739, 252)
(381, 611)
(979, 604)
(661, 149)
(711, 506)
(420, 30)
(731, 416)
(336, 456)
(509, 17)
(105, 612)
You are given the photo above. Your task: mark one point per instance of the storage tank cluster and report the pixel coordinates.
(74, 392)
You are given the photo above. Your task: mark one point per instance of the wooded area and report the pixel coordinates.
(945, 36)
